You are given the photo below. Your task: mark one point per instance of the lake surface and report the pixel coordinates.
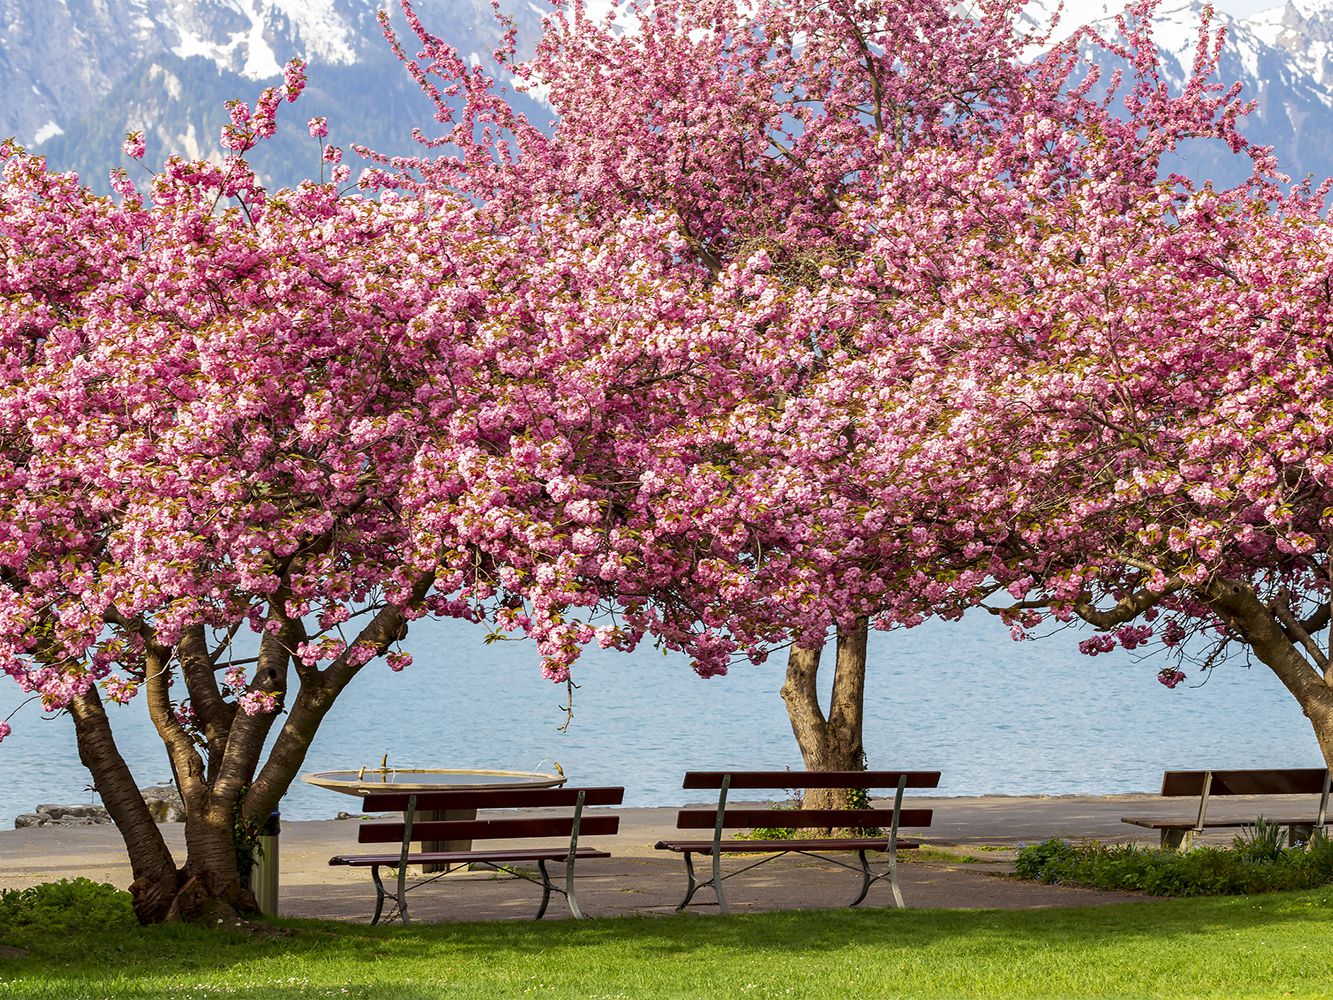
(997, 717)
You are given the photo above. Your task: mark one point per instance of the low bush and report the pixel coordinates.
(70, 904)
(1256, 863)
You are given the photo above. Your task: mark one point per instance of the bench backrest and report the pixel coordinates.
(722, 818)
(812, 779)
(1289, 781)
(1271, 781)
(492, 798)
(572, 825)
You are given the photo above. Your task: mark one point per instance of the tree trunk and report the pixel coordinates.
(224, 789)
(156, 879)
(211, 891)
(1285, 650)
(831, 742)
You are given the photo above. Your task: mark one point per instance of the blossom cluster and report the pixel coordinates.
(798, 316)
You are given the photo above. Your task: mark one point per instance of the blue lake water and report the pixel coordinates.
(997, 717)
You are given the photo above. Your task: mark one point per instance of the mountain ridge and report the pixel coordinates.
(87, 72)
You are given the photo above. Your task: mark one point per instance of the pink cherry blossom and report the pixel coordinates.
(134, 145)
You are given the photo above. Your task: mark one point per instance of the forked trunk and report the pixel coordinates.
(226, 787)
(831, 742)
(155, 878)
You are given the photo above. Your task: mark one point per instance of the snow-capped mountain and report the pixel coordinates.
(75, 75)
(1282, 57)
(1305, 32)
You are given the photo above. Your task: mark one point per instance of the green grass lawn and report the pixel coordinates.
(1261, 946)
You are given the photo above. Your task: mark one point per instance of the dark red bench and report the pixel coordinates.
(570, 828)
(1204, 785)
(722, 819)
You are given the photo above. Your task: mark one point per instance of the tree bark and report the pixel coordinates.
(155, 876)
(831, 742)
(1259, 625)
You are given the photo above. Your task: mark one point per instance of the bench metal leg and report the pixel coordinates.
(869, 878)
(717, 883)
(570, 898)
(381, 893)
(893, 881)
(402, 895)
(549, 887)
(546, 890)
(866, 878)
(694, 884)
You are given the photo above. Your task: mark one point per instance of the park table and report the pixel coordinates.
(365, 781)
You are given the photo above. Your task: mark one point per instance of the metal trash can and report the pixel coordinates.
(264, 874)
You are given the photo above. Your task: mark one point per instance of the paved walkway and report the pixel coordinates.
(638, 879)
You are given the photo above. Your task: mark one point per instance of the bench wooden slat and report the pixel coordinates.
(489, 829)
(812, 779)
(1153, 823)
(448, 857)
(1271, 781)
(517, 798)
(765, 846)
(799, 819)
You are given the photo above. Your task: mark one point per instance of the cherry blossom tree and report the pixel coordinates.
(208, 407)
(838, 175)
(1140, 438)
(802, 319)
(251, 435)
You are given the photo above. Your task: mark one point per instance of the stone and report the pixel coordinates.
(52, 814)
(74, 812)
(164, 803)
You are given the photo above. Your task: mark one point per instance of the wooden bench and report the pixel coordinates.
(722, 819)
(1204, 785)
(570, 828)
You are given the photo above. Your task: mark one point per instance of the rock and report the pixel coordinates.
(164, 802)
(89, 812)
(51, 814)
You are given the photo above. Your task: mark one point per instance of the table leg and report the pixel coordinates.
(446, 845)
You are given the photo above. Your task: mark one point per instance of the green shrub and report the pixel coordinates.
(1259, 843)
(1041, 862)
(70, 904)
(1254, 864)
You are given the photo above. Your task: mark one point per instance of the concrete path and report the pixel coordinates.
(638, 879)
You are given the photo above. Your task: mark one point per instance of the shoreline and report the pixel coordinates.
(982, 832)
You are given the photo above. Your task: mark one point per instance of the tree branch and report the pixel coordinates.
(1281, 608)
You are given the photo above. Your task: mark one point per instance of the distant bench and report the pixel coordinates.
(1176, 833)
(569, 828)
(722, 819)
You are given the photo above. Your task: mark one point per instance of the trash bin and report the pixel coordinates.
(264, 874)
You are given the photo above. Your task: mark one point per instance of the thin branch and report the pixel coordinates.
(1282, 611)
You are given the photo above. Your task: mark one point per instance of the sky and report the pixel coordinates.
(1083, 11)
(1242, 7)
(1089, 10)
